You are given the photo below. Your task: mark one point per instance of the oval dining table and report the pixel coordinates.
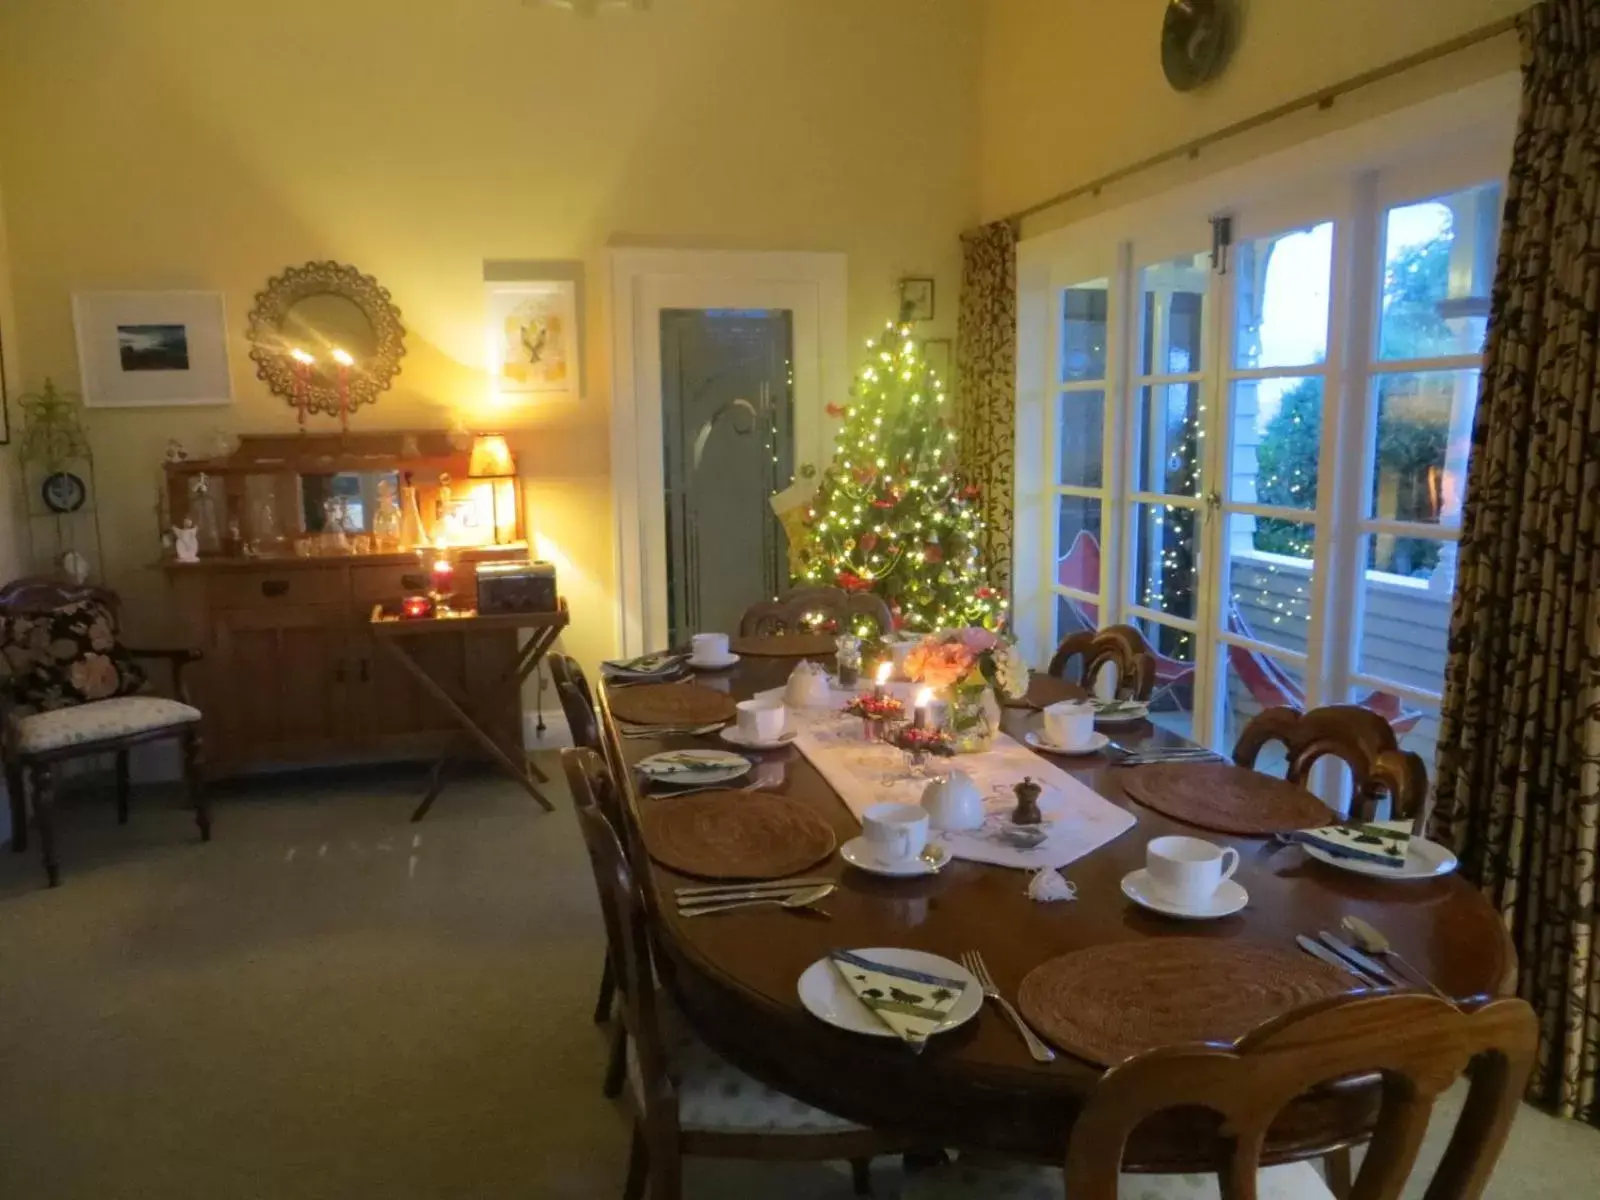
(976, 1087)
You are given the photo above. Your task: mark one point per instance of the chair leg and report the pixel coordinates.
(638, 1165)
(666, 1174)
(617, 1066)
(196, 785)
(17, 794)
(608, 989)
(44, 804)
(122, 787)
(861, 1175)
(1336, 1169)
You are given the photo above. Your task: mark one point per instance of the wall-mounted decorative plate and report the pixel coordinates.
(63, 492)
(1197, 36)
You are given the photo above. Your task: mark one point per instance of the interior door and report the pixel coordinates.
(728, 433)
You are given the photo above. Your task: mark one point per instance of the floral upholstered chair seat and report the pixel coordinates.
(716, 1097)
(120, 716)
(967, 1181)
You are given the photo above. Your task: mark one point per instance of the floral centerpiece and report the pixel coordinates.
(979, 669)
(875, 713)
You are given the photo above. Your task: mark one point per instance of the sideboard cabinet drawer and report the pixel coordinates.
(267, 588)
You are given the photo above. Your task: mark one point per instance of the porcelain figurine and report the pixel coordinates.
(186, 541)
(954, 802)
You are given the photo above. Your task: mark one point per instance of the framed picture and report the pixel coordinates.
(533, 336)
(916, 299)
(152, 349)
(936, 352)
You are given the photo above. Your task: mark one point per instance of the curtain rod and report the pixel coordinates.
(1322, 98)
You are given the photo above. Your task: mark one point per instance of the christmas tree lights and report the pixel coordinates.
(892, 514)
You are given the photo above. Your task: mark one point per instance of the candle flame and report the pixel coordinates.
(882, 677)
(925, 697)
(342, 357)
(301, 357)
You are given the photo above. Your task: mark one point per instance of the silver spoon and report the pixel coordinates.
(800, 899)
(1372, 941)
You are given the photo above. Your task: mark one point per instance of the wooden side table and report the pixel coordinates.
(394, 633)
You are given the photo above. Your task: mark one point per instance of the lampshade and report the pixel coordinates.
(490, 456)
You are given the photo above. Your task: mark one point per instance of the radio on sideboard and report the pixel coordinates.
(517, 587)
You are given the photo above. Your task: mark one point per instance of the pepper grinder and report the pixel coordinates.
(1027, 810)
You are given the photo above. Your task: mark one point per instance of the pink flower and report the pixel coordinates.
(939, 664)
(978, 639)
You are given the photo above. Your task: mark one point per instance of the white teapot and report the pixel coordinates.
(953, 802)
(807, 687)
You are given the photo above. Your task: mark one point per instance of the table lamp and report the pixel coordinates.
(493, 475)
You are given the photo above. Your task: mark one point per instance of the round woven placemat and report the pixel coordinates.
(784, 645)
(735, 835)
(1225, 799)
(670, 704)
(1107, 1002)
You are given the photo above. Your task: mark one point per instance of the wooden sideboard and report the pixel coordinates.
(291, 674)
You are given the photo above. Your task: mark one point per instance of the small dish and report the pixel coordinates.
(709, 766)
(858, 854)
(713, 664)
(1037, 739)
(1227, 900)
(828, 998)
(1424, 860)
(1119, 712)
(734, 736)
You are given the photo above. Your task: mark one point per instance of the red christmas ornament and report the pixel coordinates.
(971, 491)
(932, 553)
(834, 410)
(851, 582)
(884, 502)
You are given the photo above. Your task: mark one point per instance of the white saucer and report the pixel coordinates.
(721, 766)
(1424, 860)
(1133, 711)
(713, 664)
(857, 853)
(828, 998)
(733, 736)
(1229, 899)
(1097, 741)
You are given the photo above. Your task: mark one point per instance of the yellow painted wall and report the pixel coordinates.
(1073, 89)
(211, 143)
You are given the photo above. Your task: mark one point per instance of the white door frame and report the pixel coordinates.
(811, 286)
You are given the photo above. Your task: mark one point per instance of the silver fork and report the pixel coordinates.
(973, 961)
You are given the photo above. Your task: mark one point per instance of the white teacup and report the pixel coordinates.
(709, 647)
(761, 720)
(1188, 871)
(1069, 724)
(896, 832)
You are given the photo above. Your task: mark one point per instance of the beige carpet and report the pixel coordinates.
(330, 1002)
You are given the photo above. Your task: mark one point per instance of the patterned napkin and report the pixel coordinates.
(1385, 843)
(646, 666)
(910, 1003)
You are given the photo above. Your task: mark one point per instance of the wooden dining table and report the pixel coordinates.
(976, 1087)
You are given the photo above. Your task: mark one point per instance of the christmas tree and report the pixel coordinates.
(892, 514)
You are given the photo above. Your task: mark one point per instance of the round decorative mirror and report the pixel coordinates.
(326, 338)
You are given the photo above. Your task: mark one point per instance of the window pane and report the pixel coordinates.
(1281, 298)
(1424, 435)
(1172, 702)
(1269, 591)
(1170, 442)
(1416, 726)
(1172, 297)
(1438, 266)
(1252, 683)
(1078, 543)
(1083, 331)
(1166, 559)
(1081, 438)
(1404, 619)
(1277, 435)
(1075, 616)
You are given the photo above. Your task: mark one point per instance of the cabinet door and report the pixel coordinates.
(283, 677)
(397, 709)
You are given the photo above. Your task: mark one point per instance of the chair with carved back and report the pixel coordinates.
(804, 608)
(687, 1100)
(1417, 1045)
(71, 689)
(1363, 739)
(1120, 647)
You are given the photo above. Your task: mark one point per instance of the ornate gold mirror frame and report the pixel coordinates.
(326, 338)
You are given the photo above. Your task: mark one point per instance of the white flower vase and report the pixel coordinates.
(974, 720)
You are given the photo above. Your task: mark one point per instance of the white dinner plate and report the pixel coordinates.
(1227, 900)
(1122, 712)
(719, 766)
(829, 998)
(734, 736)
(858, 853)
(1424, 860)
(1038, 741)
(713, 664)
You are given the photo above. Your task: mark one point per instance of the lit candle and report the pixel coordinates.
(881, 679)
(442, 576)
(302, 376)
(345, 363)
(919, 715)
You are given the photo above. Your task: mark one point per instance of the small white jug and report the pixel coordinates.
(953, 802)
(807, 687)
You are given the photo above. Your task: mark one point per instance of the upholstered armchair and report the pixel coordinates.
(69, 689)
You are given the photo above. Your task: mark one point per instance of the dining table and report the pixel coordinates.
(976, 1087)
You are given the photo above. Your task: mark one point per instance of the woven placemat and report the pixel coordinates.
(1107, 1002)
(784, 645)
(670, 704)
(1225, 799)
(735, 835)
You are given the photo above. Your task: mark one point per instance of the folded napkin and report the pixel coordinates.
(678, 762)
(1385, 843)
(662, 662)
(911, 1003)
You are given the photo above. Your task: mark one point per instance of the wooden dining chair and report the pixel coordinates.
(1121, 647)
(577, 701)
(797, 610)
(687, 1100)
(1363, 739)
(1418, 1045)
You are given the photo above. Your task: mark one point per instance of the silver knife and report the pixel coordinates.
(720, 891)
(1317, 950)
(685, 903)
(1370, 965)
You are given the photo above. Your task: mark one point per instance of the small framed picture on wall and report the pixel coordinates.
(152, 349)
(916, 299)
(533, 335)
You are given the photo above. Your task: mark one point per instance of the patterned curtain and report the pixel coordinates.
(986, 383)
(1519, 747)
